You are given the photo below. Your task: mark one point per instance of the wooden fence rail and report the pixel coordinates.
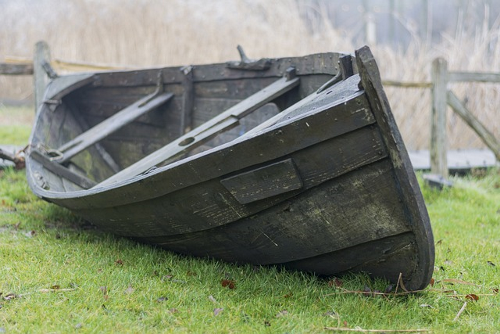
(24, 66)
(441, 97)
(16, 68)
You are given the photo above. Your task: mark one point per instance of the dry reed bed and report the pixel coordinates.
(177, 32)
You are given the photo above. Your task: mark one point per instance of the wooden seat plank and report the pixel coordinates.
(208, 130)
(60, 170)
(111, 124)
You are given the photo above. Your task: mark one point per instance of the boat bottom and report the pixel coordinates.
(384, 258)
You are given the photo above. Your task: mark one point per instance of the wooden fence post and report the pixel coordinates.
(40, 77)
(439, 75)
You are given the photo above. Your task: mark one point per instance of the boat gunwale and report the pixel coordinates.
(52, 195)
(276, 70)
(174, 75)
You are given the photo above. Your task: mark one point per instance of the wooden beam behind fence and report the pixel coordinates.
(84, 67)
(23, 66)
(439, 74)
(40, 77)
(473, 77)
(401, 84)
(16, 69)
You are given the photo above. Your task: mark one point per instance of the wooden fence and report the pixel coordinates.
(442, 96)
(41, 66)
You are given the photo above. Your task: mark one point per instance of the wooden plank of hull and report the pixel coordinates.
(359, 257)
(156, 128)
(209, 204)
(186, 122)
(195, 137)
(127, 148)
(99, 103)
(208, 108)
(53, 128)
(62, 86)
(112, 124)
(385, 258)
(104, 154)
(245, 124)
(324, 219)
(62, 171)
(264, 182)
(277, 142)
(324, 63)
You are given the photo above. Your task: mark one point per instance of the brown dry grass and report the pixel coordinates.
(177, 32)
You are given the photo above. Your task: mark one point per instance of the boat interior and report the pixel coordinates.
(99, 128)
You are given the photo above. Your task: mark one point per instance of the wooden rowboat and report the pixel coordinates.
(293, 161)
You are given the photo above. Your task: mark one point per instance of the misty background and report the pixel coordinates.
(398, 22)
(404, 35)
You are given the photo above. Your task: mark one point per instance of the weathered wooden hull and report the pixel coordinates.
(315, 177)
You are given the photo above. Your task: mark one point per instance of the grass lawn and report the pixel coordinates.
(15, 124)
(59, 275)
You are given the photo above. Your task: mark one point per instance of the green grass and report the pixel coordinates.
(15, 134)
(108, 284)
(15, 125)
